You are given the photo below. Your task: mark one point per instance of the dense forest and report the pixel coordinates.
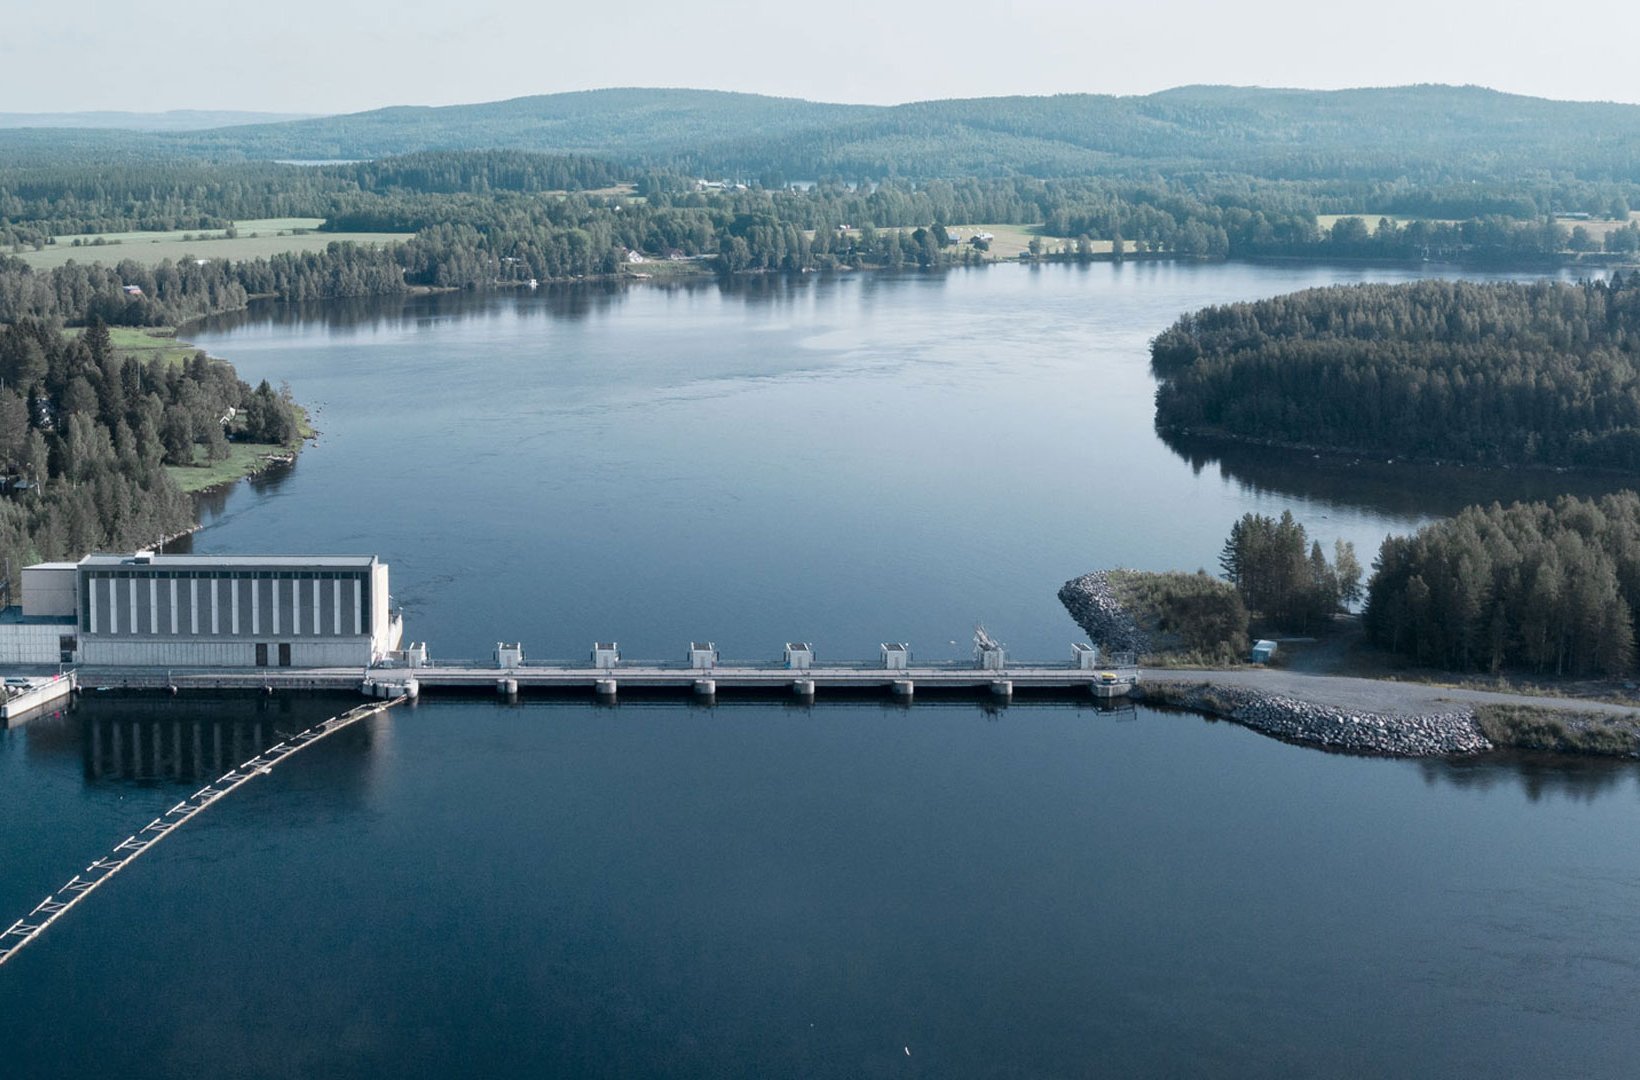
(86, 433)
(1547, 588)
(1498, 373)
(40, 202)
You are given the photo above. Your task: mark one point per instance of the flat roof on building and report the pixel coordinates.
(179, 562)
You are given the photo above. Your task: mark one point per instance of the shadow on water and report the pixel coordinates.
(157, 740)
(1540, 776)
(1402, 489)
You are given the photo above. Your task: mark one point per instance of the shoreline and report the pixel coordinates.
(1209, 440)
(1326, 727)
(1353, 714)
(253, 458)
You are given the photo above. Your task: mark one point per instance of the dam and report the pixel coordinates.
(269, 623)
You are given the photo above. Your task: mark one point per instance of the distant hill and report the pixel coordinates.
(174, 120)
(1416, 133)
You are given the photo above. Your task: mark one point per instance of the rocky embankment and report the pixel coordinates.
(1390, 734)
(1093, 604)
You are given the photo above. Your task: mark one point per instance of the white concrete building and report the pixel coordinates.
(151, 610)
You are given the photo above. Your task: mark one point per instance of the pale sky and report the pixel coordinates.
(348, 55)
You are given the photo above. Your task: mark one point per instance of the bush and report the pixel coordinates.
(1191, 613)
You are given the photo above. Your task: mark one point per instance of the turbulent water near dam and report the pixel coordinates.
(468, 888)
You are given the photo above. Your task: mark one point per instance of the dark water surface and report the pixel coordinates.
(465, 888)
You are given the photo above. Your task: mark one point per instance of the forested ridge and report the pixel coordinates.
(1496, 373)
(1422, 134)
(86, 432)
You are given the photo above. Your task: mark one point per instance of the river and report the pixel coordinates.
(852, 890)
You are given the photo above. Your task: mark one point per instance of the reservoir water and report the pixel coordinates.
(466, 888)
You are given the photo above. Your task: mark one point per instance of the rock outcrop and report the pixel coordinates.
(1093, 604)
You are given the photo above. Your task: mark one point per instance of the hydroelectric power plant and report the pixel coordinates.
(148, 621)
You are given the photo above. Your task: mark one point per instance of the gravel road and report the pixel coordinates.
(1380, 696)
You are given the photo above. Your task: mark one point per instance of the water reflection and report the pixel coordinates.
(1540, 776)
(1398, 489)
(564, 301)
(185, 740)
(211, 504)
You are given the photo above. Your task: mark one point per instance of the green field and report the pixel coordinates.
(1327, 221)
(243, 459)
(146, 343)
(1596, 227)
(257, 238)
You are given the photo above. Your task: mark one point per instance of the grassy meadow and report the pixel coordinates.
(146, 342)
(258, 238)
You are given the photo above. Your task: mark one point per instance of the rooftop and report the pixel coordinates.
(178, 562)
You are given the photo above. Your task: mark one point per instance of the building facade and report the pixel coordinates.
(152, 610)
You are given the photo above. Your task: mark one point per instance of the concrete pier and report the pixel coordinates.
(25, 697)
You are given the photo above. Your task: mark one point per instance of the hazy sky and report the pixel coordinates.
(346, 55)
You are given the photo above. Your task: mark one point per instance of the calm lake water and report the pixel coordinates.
(465, 888)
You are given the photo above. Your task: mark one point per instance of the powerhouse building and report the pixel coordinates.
(150, 610)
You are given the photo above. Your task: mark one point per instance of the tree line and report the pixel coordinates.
(1550, 588)
(514, 197)
(1495, 373)
(39, 202)
(87, 431)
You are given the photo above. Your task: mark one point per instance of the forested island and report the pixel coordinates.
(1540, 374)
